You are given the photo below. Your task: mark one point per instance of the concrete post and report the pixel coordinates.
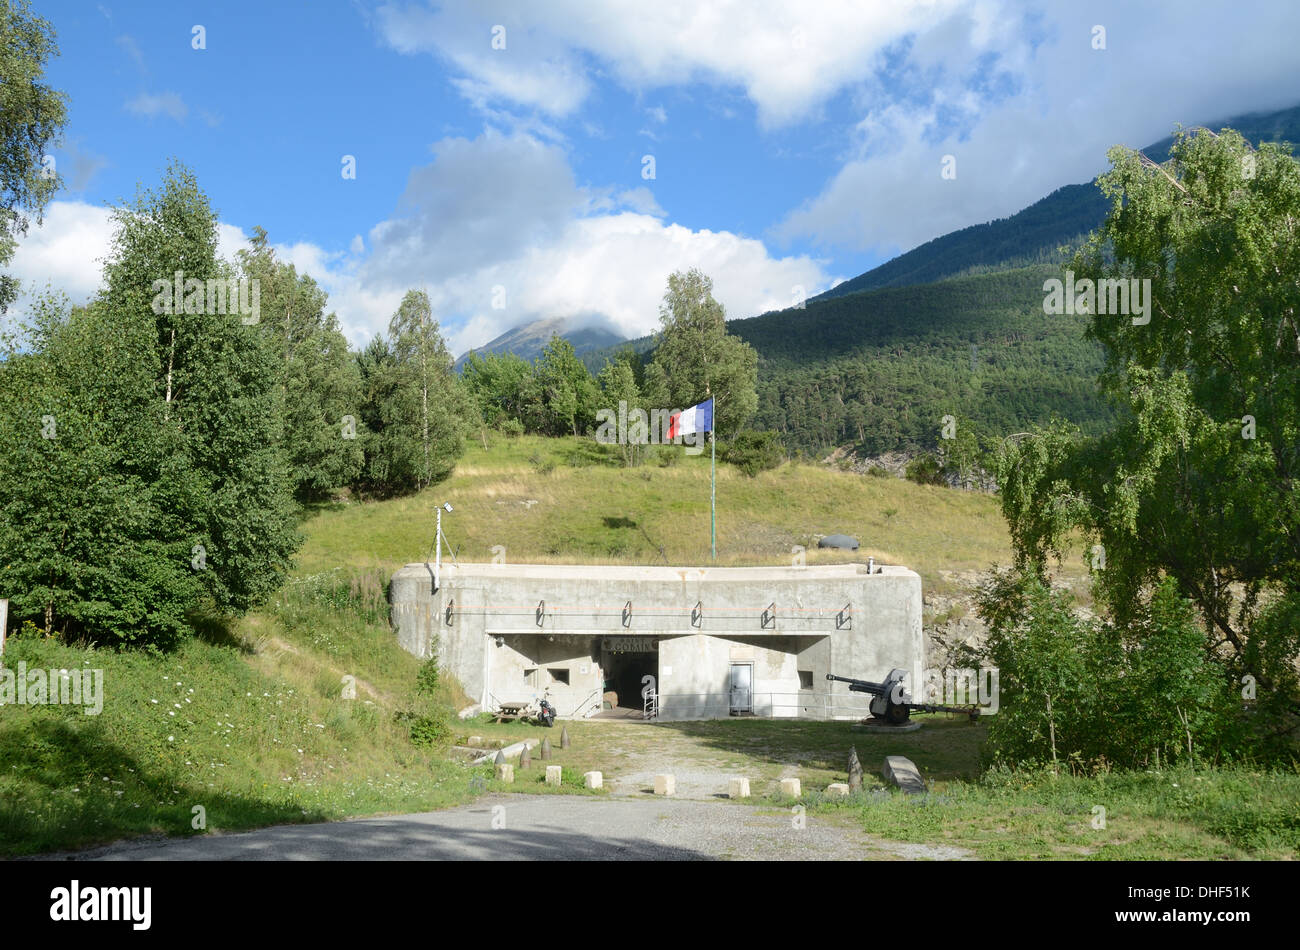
(505, 772)
(665, 784)
(525, 758)
(553, 774)
(593, 779)
(855, 770)
(564, 737)
(791, 787)
(739, 788)
(546, 748)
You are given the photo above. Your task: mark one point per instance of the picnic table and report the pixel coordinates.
(512, 710)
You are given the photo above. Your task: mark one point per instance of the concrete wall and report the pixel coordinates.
(490, 623)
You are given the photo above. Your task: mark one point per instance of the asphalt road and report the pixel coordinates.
(553, 827)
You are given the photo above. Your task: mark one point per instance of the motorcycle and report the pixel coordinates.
(546, 713)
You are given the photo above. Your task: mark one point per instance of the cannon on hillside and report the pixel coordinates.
(892, 703)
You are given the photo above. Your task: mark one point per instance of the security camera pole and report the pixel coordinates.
(437, 544)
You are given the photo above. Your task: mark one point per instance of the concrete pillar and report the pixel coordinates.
(837, 790)
(553, 773)
(738, 788)
(525, 758)
(665, 784)
(505, 772)
(564, 737)
(855, 769)
(546, 748)
(790, 786)
(593, 780)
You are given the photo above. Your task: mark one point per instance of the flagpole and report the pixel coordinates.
(713, 494)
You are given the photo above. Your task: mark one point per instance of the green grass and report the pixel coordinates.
(249, 723)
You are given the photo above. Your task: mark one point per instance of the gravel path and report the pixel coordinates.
(513, 827)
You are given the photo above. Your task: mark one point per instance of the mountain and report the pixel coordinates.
(1033, 235)
(529, 340)
(952, 327)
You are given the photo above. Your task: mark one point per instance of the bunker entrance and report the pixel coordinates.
(625, 665)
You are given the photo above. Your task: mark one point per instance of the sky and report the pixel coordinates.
(558, 158)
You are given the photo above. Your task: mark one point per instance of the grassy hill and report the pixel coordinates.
(248, 721)
(569, 500)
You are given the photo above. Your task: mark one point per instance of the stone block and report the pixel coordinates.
(738, 788)
(553, 774)
(505, 772)
(665, 784)
(593, 780)
(903, 772)
(791, 787)
(837, 789)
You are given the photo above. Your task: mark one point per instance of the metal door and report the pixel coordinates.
(742, 687)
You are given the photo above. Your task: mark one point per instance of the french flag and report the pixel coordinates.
(689, 421)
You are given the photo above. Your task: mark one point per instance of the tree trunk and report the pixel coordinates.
(171, 356)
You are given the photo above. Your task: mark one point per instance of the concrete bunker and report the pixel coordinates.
(670, 642)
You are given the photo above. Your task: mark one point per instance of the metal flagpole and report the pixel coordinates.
(713, 493)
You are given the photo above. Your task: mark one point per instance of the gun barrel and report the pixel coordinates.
(859, 686)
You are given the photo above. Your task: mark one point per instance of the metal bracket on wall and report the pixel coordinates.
(769, 616)
(697, 613)
(451, 610)
(541, 612)
(844, 619)
(627, 614)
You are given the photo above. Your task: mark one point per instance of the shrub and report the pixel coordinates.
(754, 452)
(511, 427)
(1089, 694)
(925, 470)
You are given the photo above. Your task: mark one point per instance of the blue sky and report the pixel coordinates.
(794, 144)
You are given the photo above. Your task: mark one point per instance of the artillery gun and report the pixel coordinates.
(892, 703)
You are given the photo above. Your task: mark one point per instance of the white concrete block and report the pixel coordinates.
(791, 787)
(593, 780)
(553, 773)
(505, 772)
(837, 789)
(665, 784)
(738, 788)
(903, 772)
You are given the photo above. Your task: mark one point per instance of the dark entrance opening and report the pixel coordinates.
(624, 671)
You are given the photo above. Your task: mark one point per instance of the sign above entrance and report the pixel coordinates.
(629, 645)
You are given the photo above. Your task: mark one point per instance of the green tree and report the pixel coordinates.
(565, 395)
(215, 383)
(320, 383)
(1198, 480)
(501, 385)
(699, 359)
(91, 543)
(617, 382)
(32, 116)
(417, 411)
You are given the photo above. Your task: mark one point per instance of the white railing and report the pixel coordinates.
(790, 705)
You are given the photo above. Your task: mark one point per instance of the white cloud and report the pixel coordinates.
(151, 105)
(66, 253)
(1074, 102)
(496, 211)
(789, 58)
